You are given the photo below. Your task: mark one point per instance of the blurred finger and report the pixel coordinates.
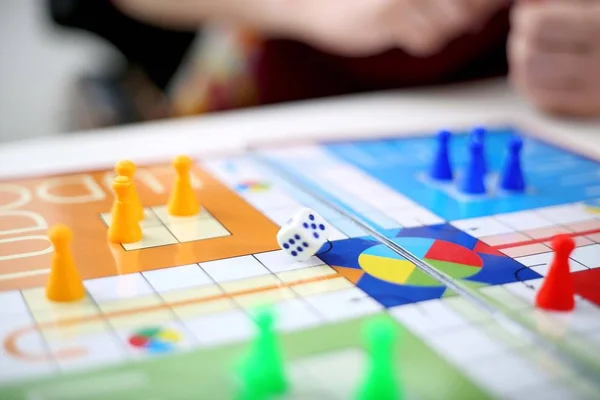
(565, 102)
(550, 70)
(556, 25)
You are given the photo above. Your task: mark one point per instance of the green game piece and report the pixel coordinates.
(381, 379)
(262, 372)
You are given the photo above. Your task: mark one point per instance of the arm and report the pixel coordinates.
(189, 14)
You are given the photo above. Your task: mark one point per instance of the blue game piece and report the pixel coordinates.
(473, 181)
(512, 175)
(441, 169)
(479, 134)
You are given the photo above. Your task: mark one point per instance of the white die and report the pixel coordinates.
(303, 235)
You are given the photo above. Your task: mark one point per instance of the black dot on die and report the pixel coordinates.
(294, 253)
(322, 227)
(311, 217)
(314, 226)
(305, 225)
(300, 249)
(286, 246)
(292, 241)
(316, 235)
(305, 244)
(297, 237)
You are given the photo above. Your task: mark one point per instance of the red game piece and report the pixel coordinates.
(557, 293)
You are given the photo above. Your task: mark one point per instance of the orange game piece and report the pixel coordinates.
(127, 168)
(557, 292)
(183, 201)
(64, 283)
(124, 225)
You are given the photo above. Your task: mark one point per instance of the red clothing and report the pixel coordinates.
(289, 70)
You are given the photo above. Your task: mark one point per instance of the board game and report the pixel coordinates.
(171, 316)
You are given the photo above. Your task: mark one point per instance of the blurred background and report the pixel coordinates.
(61, 70)
(75, 65)
(38, 65)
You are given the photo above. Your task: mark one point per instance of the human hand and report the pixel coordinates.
(360, 28)
(554, 55)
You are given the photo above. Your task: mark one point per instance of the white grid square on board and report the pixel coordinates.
(536, 259)
(584, 318)
(566, 214)
(182, 277)
(465, 344)
(12, 303)
(102, 348)
(444, 316)
(384, 199)
(45, 310)
(519, 289)
(524, 220)
(336, 234)
(404, 217)
(150, 219)
(587, 255)
(281, 215)
(279, 261)
(224, 327)
(118, 287)
(324, 369)
(269, 200)
(200, 229)
(295, 314)
(344, 304)
(482, 226)
(424, 322)
(162, 213)
(494, 373)
(153, 236)
(543, 269)
(234, 268)
(347, 228)
(13, 368)
(544, 391)
(381, 219)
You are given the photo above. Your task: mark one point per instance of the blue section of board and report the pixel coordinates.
(554, 175)
(496, 269)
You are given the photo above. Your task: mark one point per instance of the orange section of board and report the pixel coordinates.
(30, 206)
(353, 275)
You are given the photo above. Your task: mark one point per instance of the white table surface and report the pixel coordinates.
(368, 114)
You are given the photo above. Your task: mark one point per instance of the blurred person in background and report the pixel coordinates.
(209, 55)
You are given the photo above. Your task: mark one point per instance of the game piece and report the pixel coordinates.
(125, 225)
(127, 168)
(183, 201)
(263, 373)
(64, 283)
(479, 134)
(441, 169)
(303, 235)
(512, 175)
(557, 292)
(380, 381)
(473, 181)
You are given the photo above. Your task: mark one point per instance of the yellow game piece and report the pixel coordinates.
(183, 201)
(127, 168)
(124, 224)
(64, 283)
